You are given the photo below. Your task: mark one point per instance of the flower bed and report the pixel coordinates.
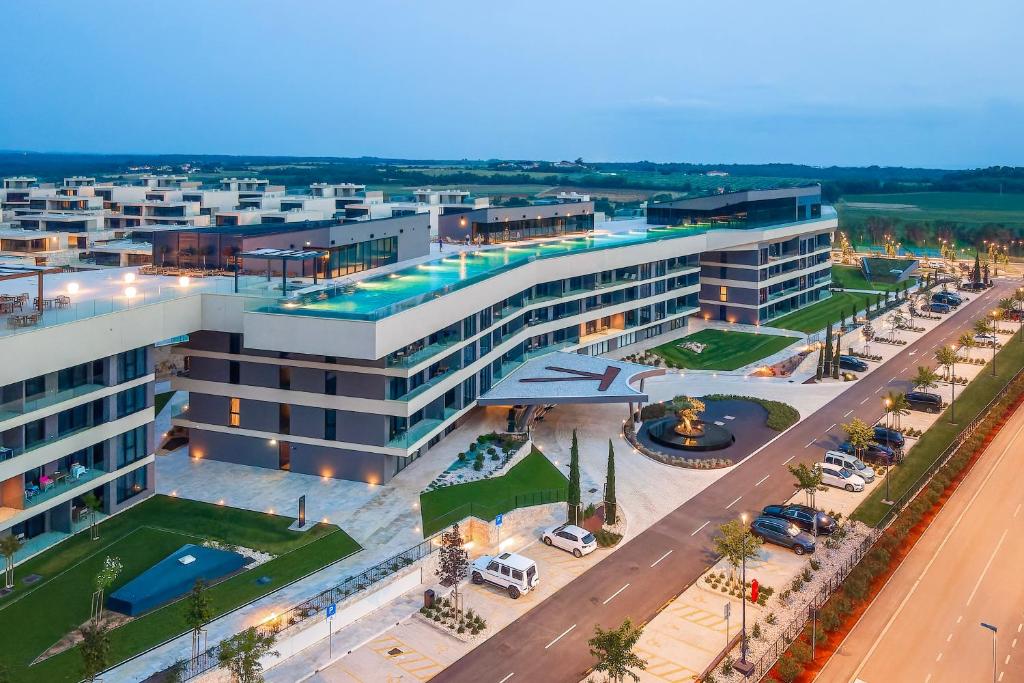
(486, 457)
(463, 625)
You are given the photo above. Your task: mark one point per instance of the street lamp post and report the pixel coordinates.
(995, 632)
(993, 328)
(745, 667)
(888, 412)
(952, 387)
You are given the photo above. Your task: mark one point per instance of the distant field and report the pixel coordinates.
(929, 210)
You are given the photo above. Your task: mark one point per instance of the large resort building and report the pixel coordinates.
(347, 349)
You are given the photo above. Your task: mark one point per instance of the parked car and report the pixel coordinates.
(875, 452)
(781, 532)
(939, 308)
(889, 437)
(852, 363)
(840, 477)
(924, 401)
(985, 339)
(515, 573)
(570, 538)
(948, 298)
(803, 516)
(852, 463)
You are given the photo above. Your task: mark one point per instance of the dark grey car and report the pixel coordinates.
(781, 532)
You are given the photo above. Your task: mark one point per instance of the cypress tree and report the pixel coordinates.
(839, 351)
(828, 350)
(821, 363)
(610, 506)
(976, 271)
(573, 495)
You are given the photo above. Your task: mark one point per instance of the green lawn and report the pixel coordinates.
(160, 400)
(851, 277)
(535, 480)
(969, 404)
(726, 350)
(816, 316)
(139, 537)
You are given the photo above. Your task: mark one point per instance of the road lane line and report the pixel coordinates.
(879, 389)
(1007, 660)
(697, 530)
(831, 428)
(987, 565)
(847, 413)
(564, 634)
(949, 637)
(865, 400)
(762, 480)
(612, 596)
(905, 369)
(788, 459)
(935, 555)
(1017, 511)
(507, 677)
(939, 657)
(1014, 643)
(665, 555)
(809, 444)
(733, 503)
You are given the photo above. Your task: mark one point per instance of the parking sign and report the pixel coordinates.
(332, 609)
(497, 520)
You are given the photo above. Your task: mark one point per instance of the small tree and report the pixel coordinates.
(860, 434)
(241, 654)
(976, 271)
(925, 379)
(614, 651)
(94, 649)
(452, 563)
(104, 579)
(966, 343)
(93, 504)
(808, 480)
(734, 542)
(610, 506)
(982, 326)
(199, 612)
(573, 497)
(945, 356)
(9, 545)
(897, 406)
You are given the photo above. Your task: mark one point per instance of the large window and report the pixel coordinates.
(235, 413)
(133, 446)
(79, 375)
(131, 364)
(131, 484)
(353, 258)
(131, 400)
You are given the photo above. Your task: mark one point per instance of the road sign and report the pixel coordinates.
(332, 609)
(727, 611)
(497, 520)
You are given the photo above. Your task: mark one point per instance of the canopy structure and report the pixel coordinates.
(560, 377)
(13, 271)
(285, 255)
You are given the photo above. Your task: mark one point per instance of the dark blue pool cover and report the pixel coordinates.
(169, 579)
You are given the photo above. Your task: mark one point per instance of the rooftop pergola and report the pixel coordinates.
(14, 271)
(285, 255)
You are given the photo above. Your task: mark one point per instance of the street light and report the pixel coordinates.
(994, 316)
(888, 412)
(995, 632)
(745, 666)
(952, 388)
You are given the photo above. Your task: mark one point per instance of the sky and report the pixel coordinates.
(903, 82)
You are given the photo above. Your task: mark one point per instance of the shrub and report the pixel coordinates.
(462, 457)
(727, 665)
(607, 539)
(460, 629)
(479, 457)
(473, 447)
(788, 669)
(755, 630)
(771, 619)
(495, 457)
(797, 585)
(815, 565)
(801, 651)
(784, 596)
(806, 575)
(830, 618)
(478, 465)
(589, 511)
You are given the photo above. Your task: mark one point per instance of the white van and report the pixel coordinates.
(515, 573)
(852, 463)
(840, 477)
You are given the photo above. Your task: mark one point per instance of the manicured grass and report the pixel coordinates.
(160, 400)
(140, 537)
(781, 416)
(851, 277)
(534, 481)
(969, 403)
(816, 316)
(726, 350)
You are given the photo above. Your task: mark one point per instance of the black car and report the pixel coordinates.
(939, 308)
(781, 532)
(852, 363)
(948, 298)
(924, 401)
(876, 452)
(803, 516)
(889, 437)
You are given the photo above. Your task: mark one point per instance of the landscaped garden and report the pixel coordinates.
(720, 349)
(816, 316)
(533, 481)
(486, 457)
(40, 614)
(852, 277)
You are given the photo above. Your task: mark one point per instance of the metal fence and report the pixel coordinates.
(491, 509)
(792, 630)
(309, 608)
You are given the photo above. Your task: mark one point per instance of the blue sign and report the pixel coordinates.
(332, 609)
(497, 520)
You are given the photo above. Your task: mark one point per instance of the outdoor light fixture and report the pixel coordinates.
(72, 288)
(183, 280)
(129, 277)
(130, 292)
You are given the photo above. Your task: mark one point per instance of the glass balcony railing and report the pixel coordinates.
(66, 483)
(51, 397)
(408, 360)
(410, 436)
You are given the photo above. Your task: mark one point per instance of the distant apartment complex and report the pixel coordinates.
(345, 348)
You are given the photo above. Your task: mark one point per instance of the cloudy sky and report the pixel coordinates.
(901, 82)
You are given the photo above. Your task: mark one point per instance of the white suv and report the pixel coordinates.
(571, 538)
(514, 573)
(852, 463)
(840, 477)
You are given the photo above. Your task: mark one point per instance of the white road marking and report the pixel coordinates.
(878, 389)
(507, 677)
(762, 480)
(790, 458)
(1007, 660)
(1014, 643)
(1017, 511)
(949, 637)
(831, 428)
(926, 678)
(697, 530)
(662, 557)
(987, 565)
(905, 369)
(809, 444)
(612, 596)
(866, 400)
(733, 503)
(847, 413)
(939, 657)
(1001, 675)
(959, 618)
(1019, 627)
(917, 582)
(564, 634)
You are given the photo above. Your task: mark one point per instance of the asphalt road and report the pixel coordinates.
(549, 643)
(925, 624)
